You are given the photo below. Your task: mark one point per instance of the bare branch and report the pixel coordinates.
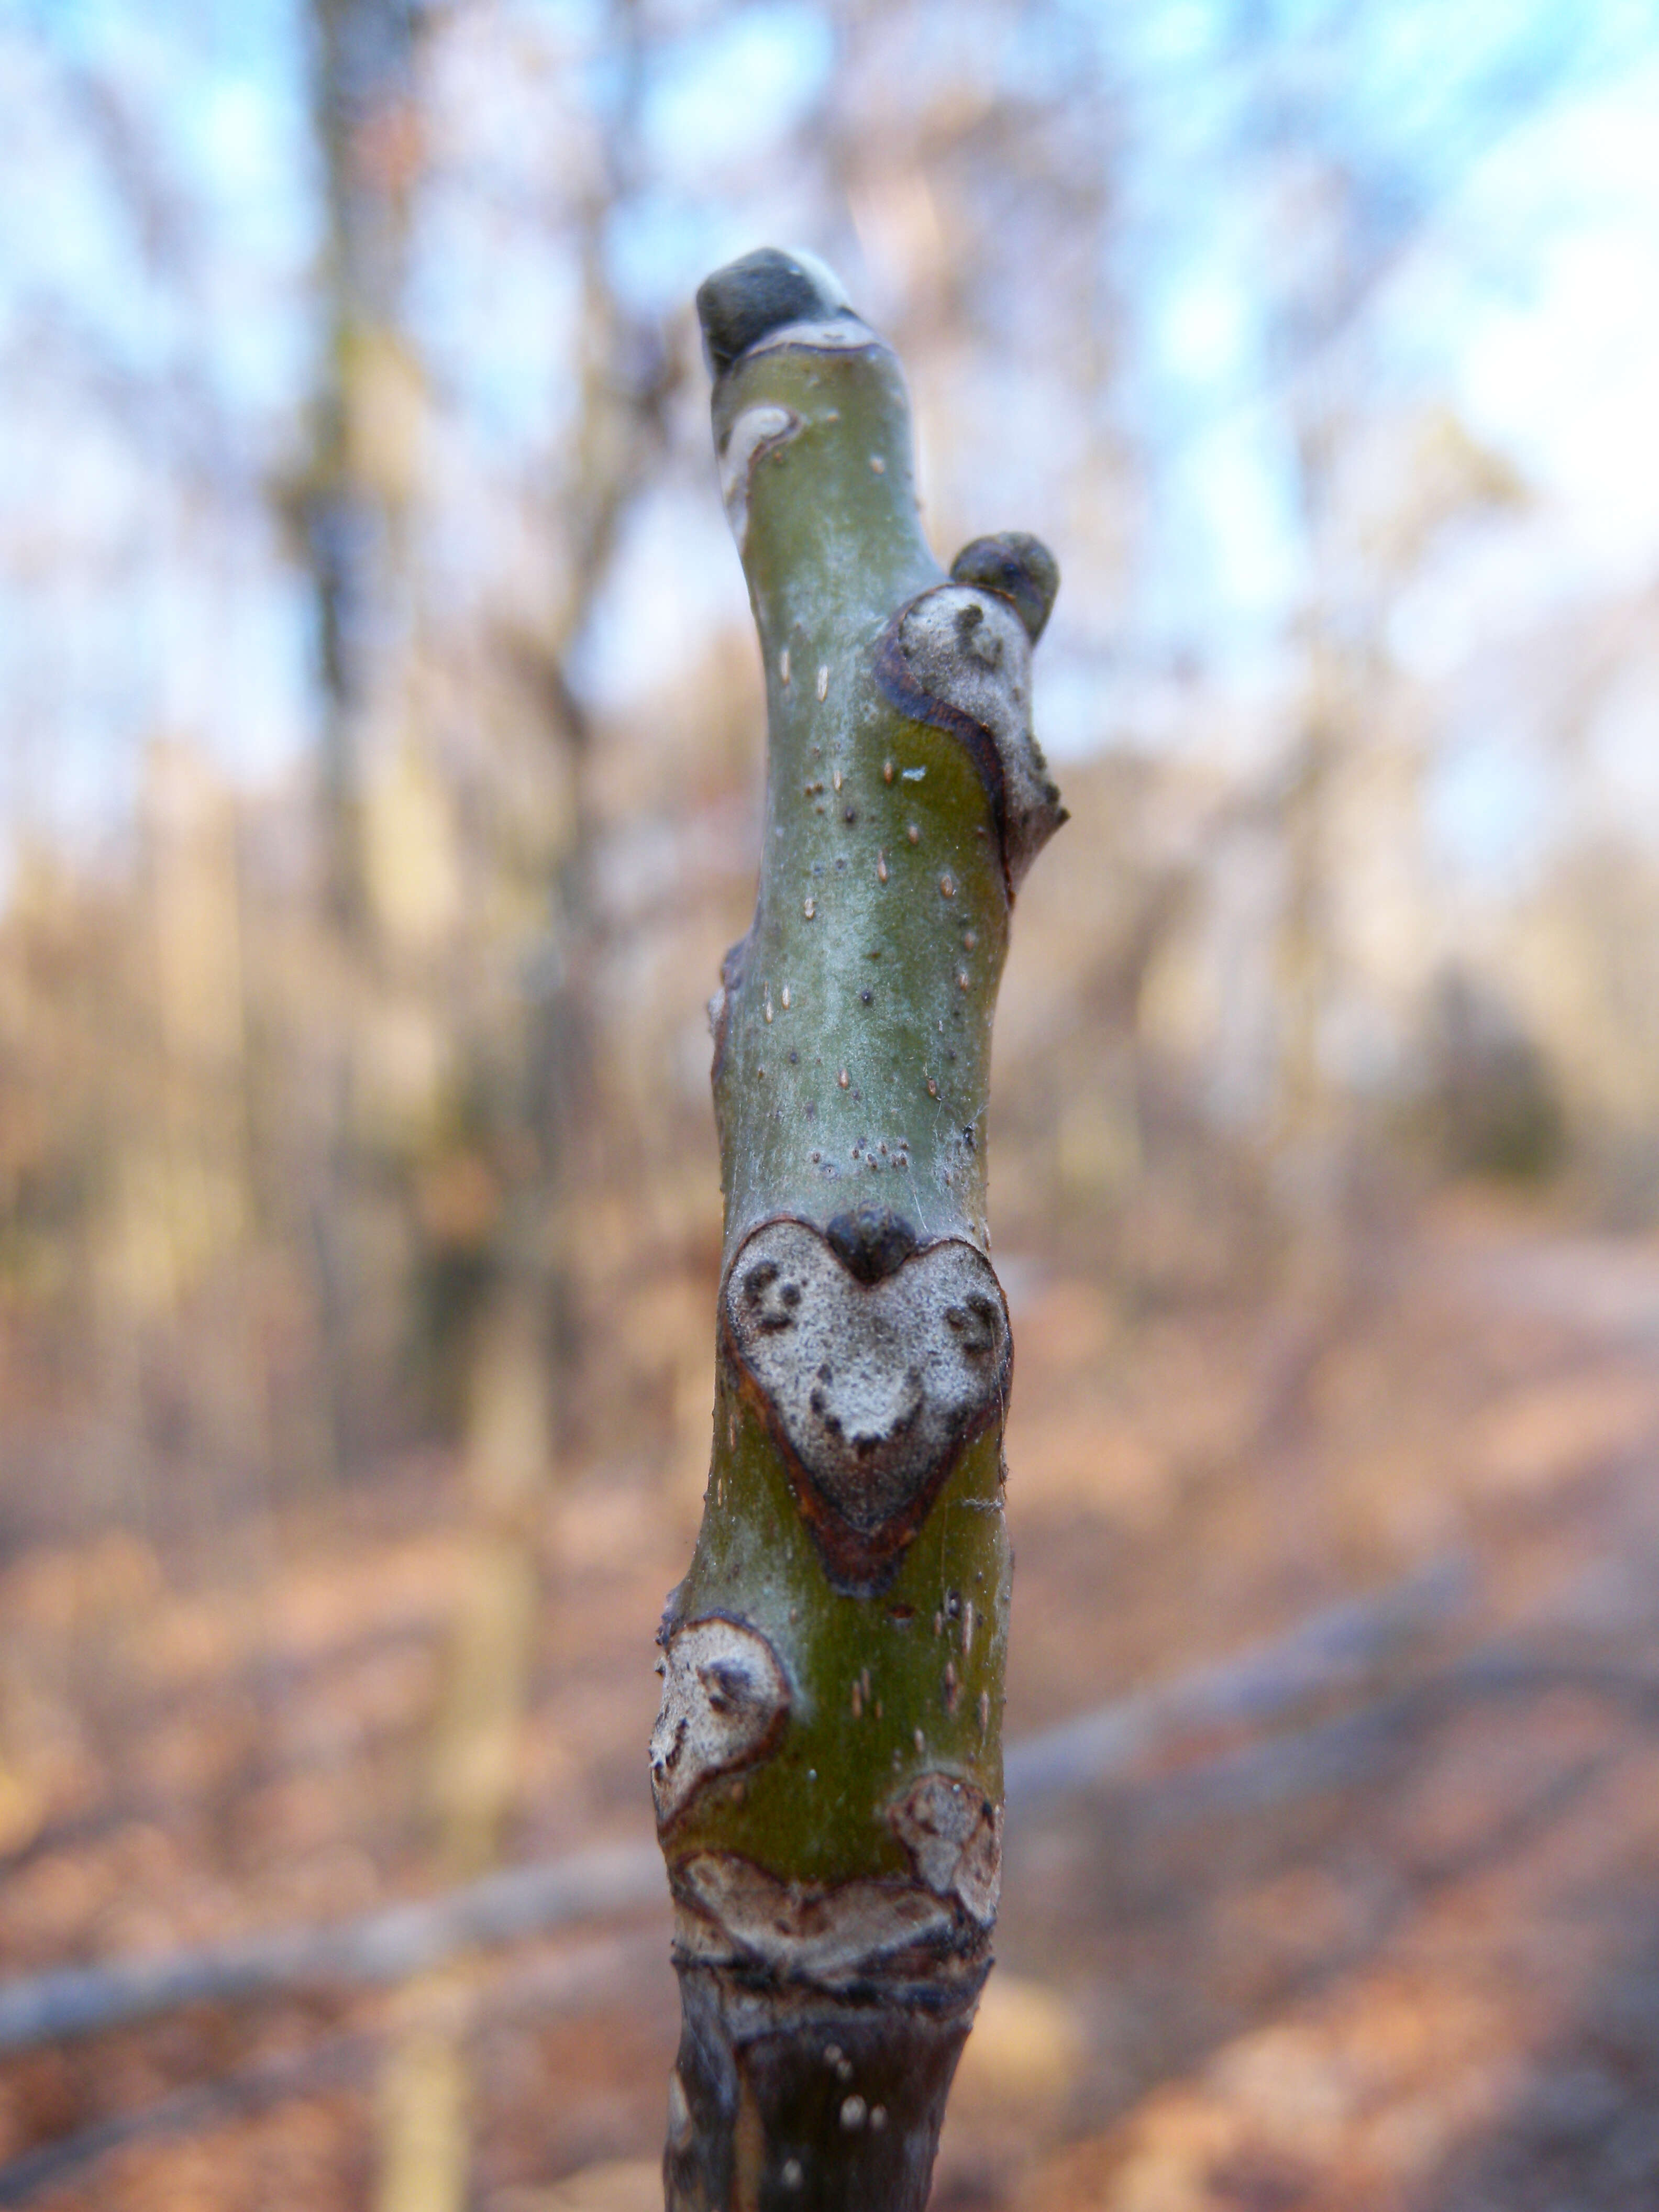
(1333, 1651)
(387, 1946)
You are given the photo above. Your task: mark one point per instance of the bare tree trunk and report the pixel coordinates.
(369, 402)
(827, 1762)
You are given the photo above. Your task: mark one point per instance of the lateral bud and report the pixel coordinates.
(959, 657)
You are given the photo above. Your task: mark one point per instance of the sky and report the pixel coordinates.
(1508, 160)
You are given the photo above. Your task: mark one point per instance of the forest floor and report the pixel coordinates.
(1400, 1954)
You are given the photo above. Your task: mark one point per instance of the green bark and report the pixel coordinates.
(827, 1763)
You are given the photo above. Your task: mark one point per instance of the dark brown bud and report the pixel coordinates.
(871, 1241)
(749, 299)
(1016, 567)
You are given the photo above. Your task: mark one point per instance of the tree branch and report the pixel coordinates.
(1335, 1650)
(827, 1763)
(387, 1946)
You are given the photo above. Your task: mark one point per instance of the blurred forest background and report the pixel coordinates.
(380, 787)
